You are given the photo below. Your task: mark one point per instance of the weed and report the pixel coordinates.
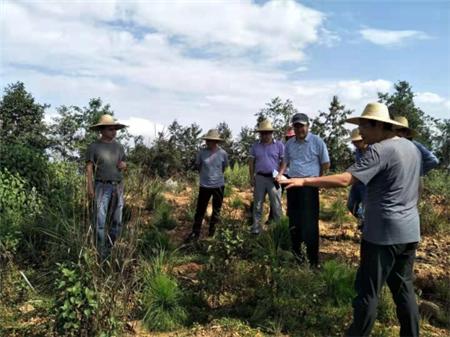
(163, 217)
(339, 279)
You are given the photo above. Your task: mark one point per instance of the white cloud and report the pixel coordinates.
(139, 126)
(428, 97)
(391, 37)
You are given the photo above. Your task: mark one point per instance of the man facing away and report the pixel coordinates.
(266, 156)
(211, 161)
(390, 169)
(306, 155)
(105, 162)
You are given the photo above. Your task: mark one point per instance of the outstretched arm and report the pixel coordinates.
(336, 180)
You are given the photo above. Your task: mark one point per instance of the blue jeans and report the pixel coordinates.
(109, 205)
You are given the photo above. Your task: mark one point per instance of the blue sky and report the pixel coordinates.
(207, 62)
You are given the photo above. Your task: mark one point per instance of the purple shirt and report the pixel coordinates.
(267, 156)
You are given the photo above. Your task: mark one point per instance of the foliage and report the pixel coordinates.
(76, 302)
(386, 312)
(164, 218)
(18, 207)
(22, 118)
(247, 137)
(339, 279)
(161, 298)
(330, 127)
(401, 103)
(152, 241)
(228, 143)
(29, 163)
(279, 113)
(154, 197)
(71, 133)
(237, 176)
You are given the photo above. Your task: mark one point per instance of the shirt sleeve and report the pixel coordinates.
(368, 167)
(123, 156)
(198, 159)
(429, 160)
(324, 157)
(252, 151)
(281, 150)
(225, 160)
(286, 157)
(90, 155)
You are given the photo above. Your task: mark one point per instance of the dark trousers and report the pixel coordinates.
(303, 212)
(204, 194)
(392, 264)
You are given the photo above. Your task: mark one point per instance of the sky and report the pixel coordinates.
(206, 62)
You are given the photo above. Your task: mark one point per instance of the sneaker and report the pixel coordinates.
(192, 237)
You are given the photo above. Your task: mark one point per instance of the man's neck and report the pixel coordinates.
(106, 140)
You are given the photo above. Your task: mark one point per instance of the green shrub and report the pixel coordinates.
(162, 302)
(339, 280)
(237, 176)
(76, 302)
(154, 197)
(152, 241)
(164, 218)
(386, 312)
(18, 207)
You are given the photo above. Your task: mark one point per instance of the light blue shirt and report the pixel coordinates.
(305, 157)
(211, 166)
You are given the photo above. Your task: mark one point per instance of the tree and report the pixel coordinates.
(22, 118)
(401, 103)
(186, 141)
(228, 144)
(71, 134)
(330, 127)
(279, 113)
(246, 138)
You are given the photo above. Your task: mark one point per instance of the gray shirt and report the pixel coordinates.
(105, 157)
(305, 157)
(211, 166)
(391, 171)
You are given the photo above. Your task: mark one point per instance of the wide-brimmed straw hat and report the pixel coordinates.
(375, 112)
(355, 136)
(405, 125)
(212, 134)
(264, 126)
(107, 120)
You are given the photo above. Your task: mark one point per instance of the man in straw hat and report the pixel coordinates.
(358, 190)
(211, 162)
(105, 162)
(306, 155)
(265, 158)
(429, 160)
(390, 169)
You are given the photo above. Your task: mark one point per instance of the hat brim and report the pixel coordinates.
(212, 138)
(264, 130)
(357, 120)
(300, 122)
(117, 126)
(411, 132)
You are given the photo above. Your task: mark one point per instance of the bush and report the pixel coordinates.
(18, 207)
(163, 217)
(237, 176)
(339, 279)
(154, 197)
(161, 301)
(153, 240)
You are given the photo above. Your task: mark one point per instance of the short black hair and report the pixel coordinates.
(386, 126)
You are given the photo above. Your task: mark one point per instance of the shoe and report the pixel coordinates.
(192, 237)
(255, 231)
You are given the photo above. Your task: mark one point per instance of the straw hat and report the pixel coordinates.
(107, 120)
(376, 112)
(212, 134)
(265, 126)
(404, 125)
(355, 136)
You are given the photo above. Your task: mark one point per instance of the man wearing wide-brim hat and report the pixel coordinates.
(266, 156)
(305, 155)
(211, 161)
(105, 163)
(429, 160)
(390, 169)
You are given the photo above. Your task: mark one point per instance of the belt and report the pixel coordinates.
(267, 175)
(112, 182)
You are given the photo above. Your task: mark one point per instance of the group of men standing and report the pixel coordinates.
(385, 183)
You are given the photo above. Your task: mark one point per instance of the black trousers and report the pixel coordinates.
(392, 264)
(204, 195)
(303, 212)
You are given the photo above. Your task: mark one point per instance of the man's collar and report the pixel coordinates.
(273, 141)
(306, 139)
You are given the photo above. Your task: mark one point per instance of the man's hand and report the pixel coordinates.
(280, 177)
(293, 182)
(122, 166)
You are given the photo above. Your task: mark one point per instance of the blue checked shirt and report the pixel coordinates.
(304, 158)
